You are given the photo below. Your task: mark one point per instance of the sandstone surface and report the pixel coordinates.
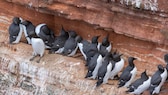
(134, 31)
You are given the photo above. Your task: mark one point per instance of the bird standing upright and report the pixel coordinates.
(105, 46)
(94, 65)
(118, 66)
(71, 44)
(104, 70)
(91, 49)
(38, 48)
(15, 30)
(29, 30)
(38, 44)
(158, 78)
(128, 73)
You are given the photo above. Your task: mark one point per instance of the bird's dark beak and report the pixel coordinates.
(134, 58)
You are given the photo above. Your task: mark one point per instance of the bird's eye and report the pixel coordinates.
(132, 86)
(14, 36)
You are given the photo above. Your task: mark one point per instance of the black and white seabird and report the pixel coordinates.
(71, 44)
(38, 44)
(15, 30)
(29, 30)
(91, 49)
(105, 46)
(128, 74)
(46, 34)
(104, 70)
(38, 48)
(140, 85)
(88, 49)
(158, 79)
(94, 65)
(118, 66)
(83, 46)
(59, 42)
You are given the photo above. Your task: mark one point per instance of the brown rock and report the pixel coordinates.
(133, 32)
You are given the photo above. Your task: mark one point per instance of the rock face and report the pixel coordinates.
(150, 15)
(54, 75)
(136, 29)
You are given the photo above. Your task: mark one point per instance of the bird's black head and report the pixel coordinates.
(166, 58)
(16, 20)
(63, 31)
(67, 51)
(130, 61)
(105, 41)
(79, 39)
(131, 58)
(144, 75)
(95, 39)
(108, 56)
(167, 67)
(117, 57)
(46, 29)
(72, 34)
(99, 82)
(89, 74)
(26, 22)
(12, 38)
(160, 68)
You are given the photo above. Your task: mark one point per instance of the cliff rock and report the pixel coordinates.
(136, 28)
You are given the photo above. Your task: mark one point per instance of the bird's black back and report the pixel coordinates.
(93, 62)
(14, 30)
(30, 28)
(140, 81)
(156, 78)
(60, 41)
(103, 69)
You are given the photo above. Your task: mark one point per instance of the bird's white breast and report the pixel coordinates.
(143, 87)
(98, 65)
(164, 77)
(118, 67)
(19, 34)
(133, 72)
(106, 77)
(38, 45)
